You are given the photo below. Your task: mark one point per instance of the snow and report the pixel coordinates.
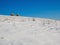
(17, 30)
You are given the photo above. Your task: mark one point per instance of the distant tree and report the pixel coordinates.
(12, 14)
(17, 14)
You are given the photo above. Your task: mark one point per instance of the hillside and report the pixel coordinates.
(18, 30)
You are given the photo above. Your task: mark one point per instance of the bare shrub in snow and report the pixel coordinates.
(33, 19)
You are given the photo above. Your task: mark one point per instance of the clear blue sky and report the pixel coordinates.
(33, 8)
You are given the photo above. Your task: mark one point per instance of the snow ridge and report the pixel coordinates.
(18, 30)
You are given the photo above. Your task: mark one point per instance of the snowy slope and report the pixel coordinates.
(16, 30)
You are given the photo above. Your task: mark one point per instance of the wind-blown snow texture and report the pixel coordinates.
(16, 30)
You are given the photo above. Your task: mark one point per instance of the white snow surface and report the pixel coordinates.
(18, 30)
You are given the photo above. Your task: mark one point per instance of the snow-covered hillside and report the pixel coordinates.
(17, 30)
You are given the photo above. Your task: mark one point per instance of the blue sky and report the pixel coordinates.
(33, 8)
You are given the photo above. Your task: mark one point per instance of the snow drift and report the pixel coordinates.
(17, 30)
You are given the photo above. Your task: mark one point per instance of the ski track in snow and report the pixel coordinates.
(16, 30)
